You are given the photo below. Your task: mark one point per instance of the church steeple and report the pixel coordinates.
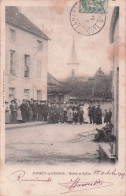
(73, 57)
(73, 64)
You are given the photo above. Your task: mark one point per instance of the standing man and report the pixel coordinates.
(93, 113)
(90, 113)
(34, 109)
(45, 110)
(109, 116)
(39, 111)
(98, 115)
(23, 111)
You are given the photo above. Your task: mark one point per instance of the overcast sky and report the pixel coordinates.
(92, 51)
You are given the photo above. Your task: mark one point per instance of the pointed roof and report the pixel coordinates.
(73, 57)
(99, 72)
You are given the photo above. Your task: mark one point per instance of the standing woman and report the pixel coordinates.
(70, 116)
(7, 115)
(19, 116)
(85, 110)
(13, 109)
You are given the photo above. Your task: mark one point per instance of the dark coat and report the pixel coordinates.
(75, 116)
(98, 115)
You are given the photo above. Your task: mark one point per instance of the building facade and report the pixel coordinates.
(114, 40)
(26, 58)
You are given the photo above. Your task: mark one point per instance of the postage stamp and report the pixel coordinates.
(93, 6)
(86, 24)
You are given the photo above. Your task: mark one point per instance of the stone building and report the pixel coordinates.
(26, 57)
(109, 153)
(114, 40)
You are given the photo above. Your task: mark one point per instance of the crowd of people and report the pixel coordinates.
(34, 110)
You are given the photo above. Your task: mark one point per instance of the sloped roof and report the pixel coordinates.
(55, 86)
(52, 80)
(16, 18)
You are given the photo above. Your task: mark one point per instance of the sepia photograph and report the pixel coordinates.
(63, 98)
(60, 107)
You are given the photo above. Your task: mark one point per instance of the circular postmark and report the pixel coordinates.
(86, 23)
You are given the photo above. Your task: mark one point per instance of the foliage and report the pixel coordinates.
(98, 87)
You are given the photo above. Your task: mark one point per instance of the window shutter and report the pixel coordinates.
(31, 68)
(21, 65)
(17, 64)
(7, 61)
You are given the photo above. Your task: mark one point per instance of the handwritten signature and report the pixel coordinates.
(78, 185)
(21, 176)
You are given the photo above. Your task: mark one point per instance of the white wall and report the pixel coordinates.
(26, 43)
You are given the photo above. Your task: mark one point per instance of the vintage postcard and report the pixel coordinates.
(63, 98)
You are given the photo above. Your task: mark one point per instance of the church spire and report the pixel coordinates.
(73, 57)
(73, 64)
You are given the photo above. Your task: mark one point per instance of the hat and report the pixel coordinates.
(12, 101)
(6, 102)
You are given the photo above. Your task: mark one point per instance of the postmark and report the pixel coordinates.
(93, 6)
(86, 23)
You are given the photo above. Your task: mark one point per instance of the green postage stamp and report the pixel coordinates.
(93, 6)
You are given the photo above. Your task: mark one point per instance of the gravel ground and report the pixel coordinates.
(52, 144)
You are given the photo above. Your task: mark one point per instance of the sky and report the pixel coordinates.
(92, 51)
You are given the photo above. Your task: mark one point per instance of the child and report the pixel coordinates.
(75, 116)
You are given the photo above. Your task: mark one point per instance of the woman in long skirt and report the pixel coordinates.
(85, 115)
(7, 114)
(19, 116)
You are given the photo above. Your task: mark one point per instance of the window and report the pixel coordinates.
(12, 35)
(39, 95)
(39, 69)
(26, 93)
(11, 93)
(12, 59)
(39, 44)
(26, 65)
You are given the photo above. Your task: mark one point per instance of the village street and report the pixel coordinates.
(52, 144)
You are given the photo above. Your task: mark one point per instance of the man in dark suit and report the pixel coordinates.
(98, 115)
(23, 109)
(35, 110)
(45, 110)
